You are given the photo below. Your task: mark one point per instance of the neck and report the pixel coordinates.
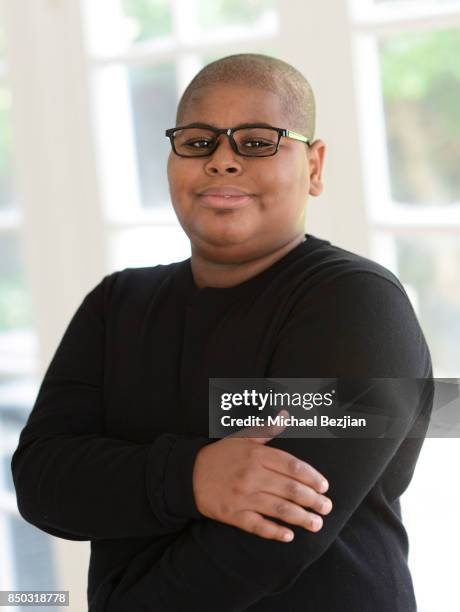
(209, 273)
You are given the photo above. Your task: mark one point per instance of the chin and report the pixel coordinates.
(224, 247)
(223, 232)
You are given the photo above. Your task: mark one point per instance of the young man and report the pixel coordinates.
(116, 449)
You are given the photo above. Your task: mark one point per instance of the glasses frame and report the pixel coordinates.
(169, 133)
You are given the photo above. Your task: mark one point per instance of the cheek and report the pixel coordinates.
(288, 193)
(270, 176)
(171, 170)
(178, 175)
(294, 176)
(281, 180)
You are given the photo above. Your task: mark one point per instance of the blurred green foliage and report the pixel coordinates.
(221, 12)
(151, 18)
(415, 66)
(425, 68)
(421, 89)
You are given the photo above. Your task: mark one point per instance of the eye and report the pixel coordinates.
(201, 143)
(257, 144)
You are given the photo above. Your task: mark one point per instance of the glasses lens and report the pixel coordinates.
(257, 142)
(193, 142)
(253, 142)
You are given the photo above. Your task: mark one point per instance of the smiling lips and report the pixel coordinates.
(225, 197)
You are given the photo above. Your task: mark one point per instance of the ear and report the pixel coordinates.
(316, 154)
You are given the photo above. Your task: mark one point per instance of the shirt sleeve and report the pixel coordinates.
(359, 326)
(74, 482)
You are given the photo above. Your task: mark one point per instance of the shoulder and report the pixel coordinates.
(130, 286)
(356, 293)
(329, 263)
(142, 279)
(356, 315)
(332, 277)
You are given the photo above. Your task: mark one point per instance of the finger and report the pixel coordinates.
(283, 462)
(254, 523)
(291, 513)
(292, 490)
(263, 433)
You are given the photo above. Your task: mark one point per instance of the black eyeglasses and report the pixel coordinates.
(255, 140)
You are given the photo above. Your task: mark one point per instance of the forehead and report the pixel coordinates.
(227, 105)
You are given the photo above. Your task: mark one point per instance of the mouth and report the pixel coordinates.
(211, 200)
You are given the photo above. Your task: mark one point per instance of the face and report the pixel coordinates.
(278, 186)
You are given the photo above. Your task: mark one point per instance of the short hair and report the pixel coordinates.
(263, 72)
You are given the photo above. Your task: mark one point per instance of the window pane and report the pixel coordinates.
(112, 26)
(6, 186)
(421, 86)
(14, 305)
(32, 559)
(153, 98)
(13, 415)
(147, 19)
(430, 268)
(224, 13)
(133, 107)
(27, 555)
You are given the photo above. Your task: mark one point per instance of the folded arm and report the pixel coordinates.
(74, 482)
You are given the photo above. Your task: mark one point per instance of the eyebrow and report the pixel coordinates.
(239, 125)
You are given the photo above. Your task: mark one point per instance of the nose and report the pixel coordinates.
(224, 160)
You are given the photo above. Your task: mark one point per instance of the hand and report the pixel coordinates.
(237, 479)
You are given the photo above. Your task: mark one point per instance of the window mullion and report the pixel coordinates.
(340, 213)
(54, 166)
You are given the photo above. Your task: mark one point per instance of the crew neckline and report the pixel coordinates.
(185, 282)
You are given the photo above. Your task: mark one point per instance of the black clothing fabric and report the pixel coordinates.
(107, 453)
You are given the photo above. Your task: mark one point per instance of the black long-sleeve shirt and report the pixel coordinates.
(107, 453)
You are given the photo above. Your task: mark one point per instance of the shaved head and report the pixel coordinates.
(261, 72)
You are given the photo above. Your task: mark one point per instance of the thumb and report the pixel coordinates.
(264, 433)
